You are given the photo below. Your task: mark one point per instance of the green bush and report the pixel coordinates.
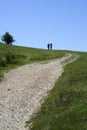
(2, 61)
(10, 58)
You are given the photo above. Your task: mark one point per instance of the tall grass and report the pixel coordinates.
(65, 108)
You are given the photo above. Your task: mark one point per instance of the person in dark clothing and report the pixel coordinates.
(48, 45)
(51, 46)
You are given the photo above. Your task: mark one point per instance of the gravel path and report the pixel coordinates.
(23, 90)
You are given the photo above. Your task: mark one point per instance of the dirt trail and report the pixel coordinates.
(23, 89)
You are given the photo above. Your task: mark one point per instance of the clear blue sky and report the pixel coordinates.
(34, 23)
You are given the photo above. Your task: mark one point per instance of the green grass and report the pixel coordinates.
(14, 56)
(65, 108)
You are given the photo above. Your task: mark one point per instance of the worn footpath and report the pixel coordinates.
(23, 90)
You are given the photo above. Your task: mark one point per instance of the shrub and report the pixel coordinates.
(2, 61)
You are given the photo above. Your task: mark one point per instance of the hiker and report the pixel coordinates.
(48, 46)
(51, 46)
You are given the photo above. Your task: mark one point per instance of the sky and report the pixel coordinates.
(34, 23)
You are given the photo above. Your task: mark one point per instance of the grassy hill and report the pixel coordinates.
(65, 108)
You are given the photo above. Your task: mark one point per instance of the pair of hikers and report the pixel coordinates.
(49, 46)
